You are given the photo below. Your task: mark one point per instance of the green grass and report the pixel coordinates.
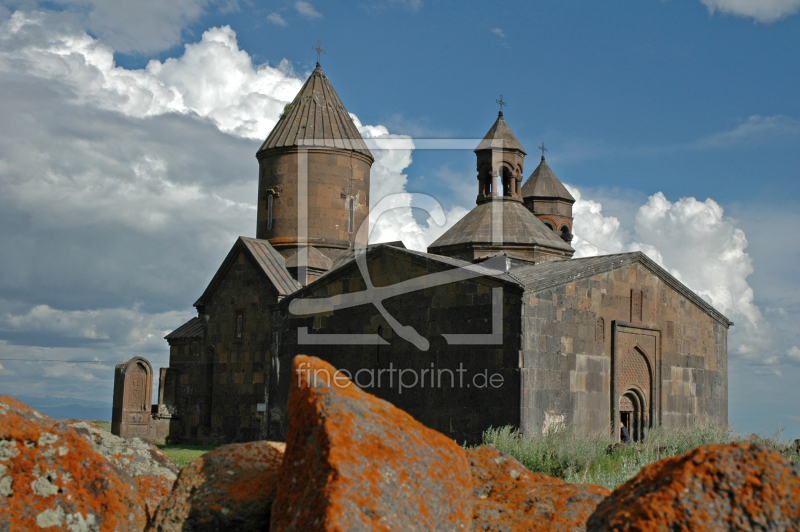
(183, 454)
(562, 453)
(105, 425)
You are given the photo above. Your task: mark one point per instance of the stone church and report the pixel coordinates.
(495, 325)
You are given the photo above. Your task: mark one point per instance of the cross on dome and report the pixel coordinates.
(319, 49)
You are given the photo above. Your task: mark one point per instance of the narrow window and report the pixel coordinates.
(350, 224)
(239, 325)
(269, 212)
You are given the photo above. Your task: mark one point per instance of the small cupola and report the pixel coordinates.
(500, 162)
(546, 197)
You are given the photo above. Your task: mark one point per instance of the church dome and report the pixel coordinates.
(543, 183)
(316, 118)
(499, 137)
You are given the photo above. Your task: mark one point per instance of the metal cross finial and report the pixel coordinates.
(319, 49)
(543, 149)
(502, 103)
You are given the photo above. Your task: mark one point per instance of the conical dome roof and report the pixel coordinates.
(519, 227)
(543, 183)
(500, 136)
(316, 118)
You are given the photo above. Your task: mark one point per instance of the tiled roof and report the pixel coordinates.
(549, 274)
(194, 328)
(269, 261)
(316, 117)
(543, 183)
(500, 136)
(315, 260)
(519, 227)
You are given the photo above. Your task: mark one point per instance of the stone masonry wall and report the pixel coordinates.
(460, 408)
(222, 384)
(567, 351)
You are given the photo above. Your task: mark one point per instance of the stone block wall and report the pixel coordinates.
(574, 334)
(458, 407)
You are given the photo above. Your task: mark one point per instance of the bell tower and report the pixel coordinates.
(313, 185)
(500, 161)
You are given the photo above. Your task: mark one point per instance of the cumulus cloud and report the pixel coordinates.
(122, 190)
(277, 19)
(765, 11)
(137, 25)
(307, 10)
(696, 243)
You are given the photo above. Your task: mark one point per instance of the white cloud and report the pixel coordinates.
(137, 25)
(498, 32)
(755, 127)
(794, 353)
(307, 10)
(765, 11)
(277, 19)
(696, 243)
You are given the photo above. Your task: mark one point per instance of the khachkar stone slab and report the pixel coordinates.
(133, 388)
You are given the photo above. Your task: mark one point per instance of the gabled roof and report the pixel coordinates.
(500, 136)
(519, 227)
(270, 263)
(549, 274)
(543, 183)
(374, 251)
(318, 118)
(194, 328)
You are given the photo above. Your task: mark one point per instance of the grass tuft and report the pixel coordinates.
(562, 453)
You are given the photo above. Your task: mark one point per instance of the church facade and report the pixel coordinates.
(496, 324)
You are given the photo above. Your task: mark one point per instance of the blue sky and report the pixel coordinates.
(127, 162)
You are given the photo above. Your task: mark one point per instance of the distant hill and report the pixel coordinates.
(67, 407)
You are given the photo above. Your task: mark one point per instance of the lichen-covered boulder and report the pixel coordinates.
(52, 479)
(229, 488)
(509, 498)
(739, 486)
(355, 462)
(152, 471)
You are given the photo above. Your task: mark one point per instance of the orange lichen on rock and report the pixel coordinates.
(509, 498)
(51, 478)
(152, 471)
(229, 488)
(355, 462)
(739, 486)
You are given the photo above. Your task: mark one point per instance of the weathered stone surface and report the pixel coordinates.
(51, 478)
(355, 462)
(151, 470)
(714, 487)
(229, 488)
(507, 497)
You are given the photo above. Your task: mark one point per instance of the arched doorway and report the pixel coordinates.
(635, 392)
(633, 413)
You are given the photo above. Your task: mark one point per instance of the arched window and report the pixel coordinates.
(550, 225)
(350, 223)
(565, 234)
(269, 212)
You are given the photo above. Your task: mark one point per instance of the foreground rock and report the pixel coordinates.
(229, 488)
(715, 487)
(507, 497)
(355, 462)
(51, 478)
(152, 471)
